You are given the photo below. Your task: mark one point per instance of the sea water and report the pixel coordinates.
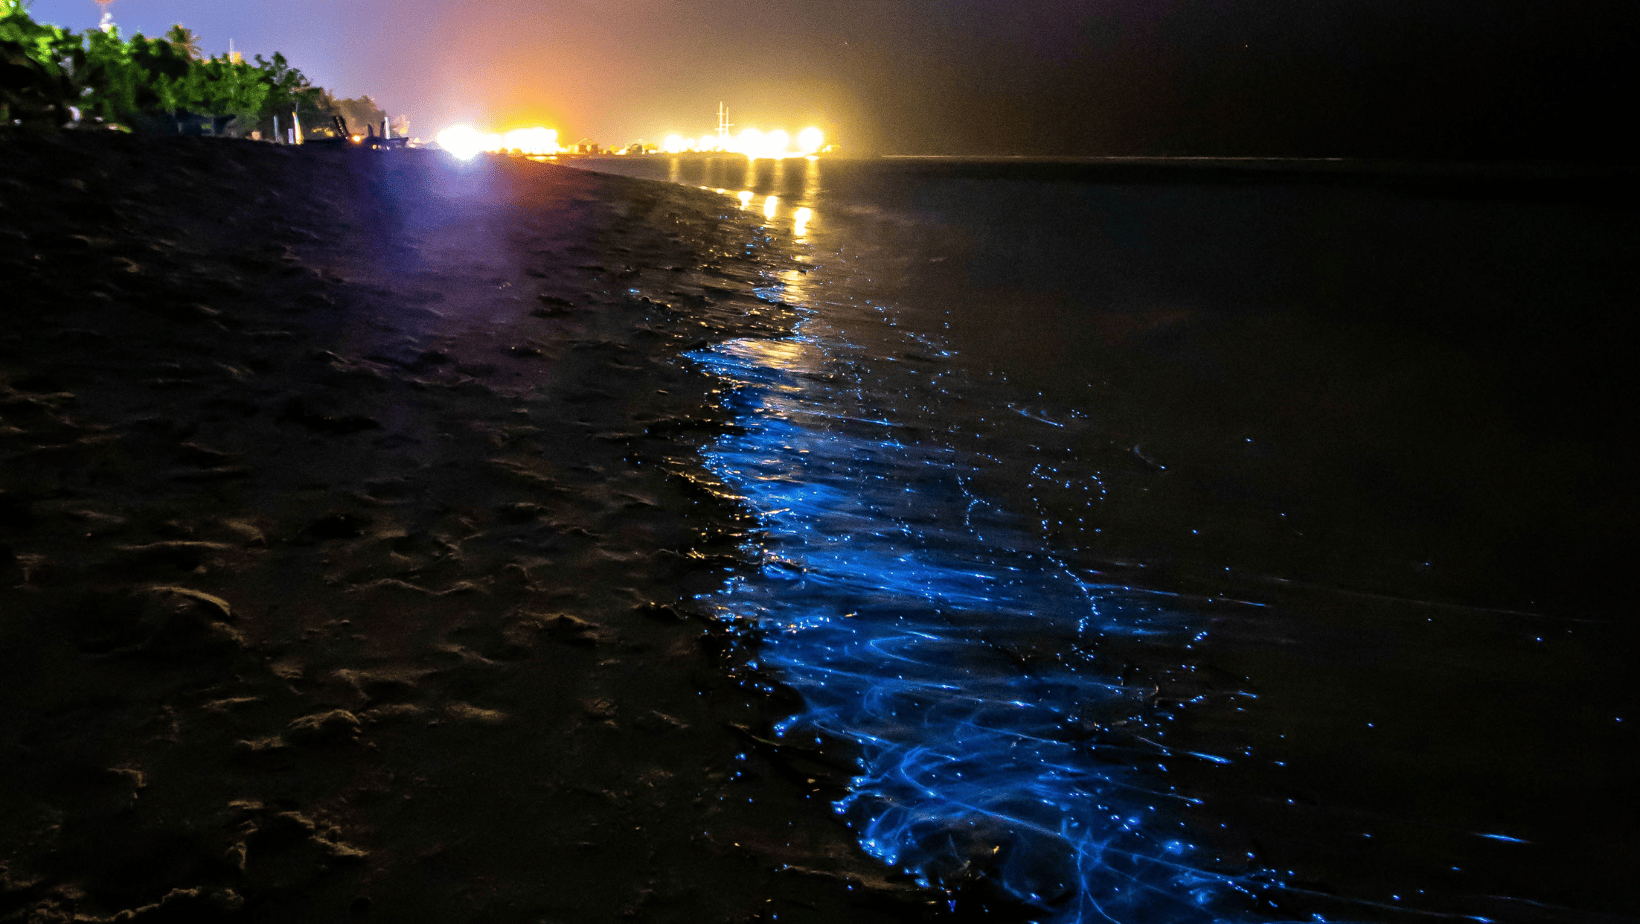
(1183, 542)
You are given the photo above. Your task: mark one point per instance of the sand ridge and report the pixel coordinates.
(349, 513)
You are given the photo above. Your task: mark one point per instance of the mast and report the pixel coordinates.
(723, 126)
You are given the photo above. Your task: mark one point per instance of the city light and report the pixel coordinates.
(751, 142)
(810, 140)
(531, 141)
(465, 142)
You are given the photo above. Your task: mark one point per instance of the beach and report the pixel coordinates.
(348, 541)
(390, 537)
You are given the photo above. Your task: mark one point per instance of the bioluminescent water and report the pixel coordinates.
(1166, 548)
(1005, 733)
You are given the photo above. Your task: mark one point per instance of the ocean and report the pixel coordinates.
(1196, 540)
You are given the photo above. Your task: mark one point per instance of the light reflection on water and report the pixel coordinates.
(1002, 733)
(795, 180)
(1410, 755)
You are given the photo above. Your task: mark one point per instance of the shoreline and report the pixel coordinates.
(1350, 387)
(350, 509)
(1613, 184)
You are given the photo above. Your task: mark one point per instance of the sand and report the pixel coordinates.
(350, 516)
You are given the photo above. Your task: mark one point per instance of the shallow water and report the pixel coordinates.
(1195, 551)
(971, 671)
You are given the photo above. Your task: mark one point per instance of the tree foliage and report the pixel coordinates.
(51, 76)
(38, 63)
(360, 113)
(184, 41)
(139, 82)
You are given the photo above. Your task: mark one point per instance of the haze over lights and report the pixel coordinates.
(531, 141)
(750, 142)
(465, 142)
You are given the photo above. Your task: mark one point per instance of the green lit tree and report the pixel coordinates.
(131, 83)
(38, 64)
(184, 41)
(50, 76)
(289, 91)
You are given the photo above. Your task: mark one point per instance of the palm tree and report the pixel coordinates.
(185, 41)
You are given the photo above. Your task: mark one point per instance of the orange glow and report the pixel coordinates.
(531, 141)
(800, 221)
(753, 143)
(810, 140)
(770, 206)
(465, 142)
(745, 198)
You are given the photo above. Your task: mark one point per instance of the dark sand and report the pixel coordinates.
(349, 513)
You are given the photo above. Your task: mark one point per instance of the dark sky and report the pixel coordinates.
(1428, 78)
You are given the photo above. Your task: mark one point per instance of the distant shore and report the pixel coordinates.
(348, 522)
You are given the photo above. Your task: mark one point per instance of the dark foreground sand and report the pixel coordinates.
(348, 520)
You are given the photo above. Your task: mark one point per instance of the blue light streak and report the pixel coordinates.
(972, 670)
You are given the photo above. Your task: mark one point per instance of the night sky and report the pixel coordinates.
(1504, 79)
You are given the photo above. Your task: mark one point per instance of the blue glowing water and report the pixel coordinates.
(1176, 551)
(937, 632)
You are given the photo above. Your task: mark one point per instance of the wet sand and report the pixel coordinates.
(349, 515)
(1359, 434)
